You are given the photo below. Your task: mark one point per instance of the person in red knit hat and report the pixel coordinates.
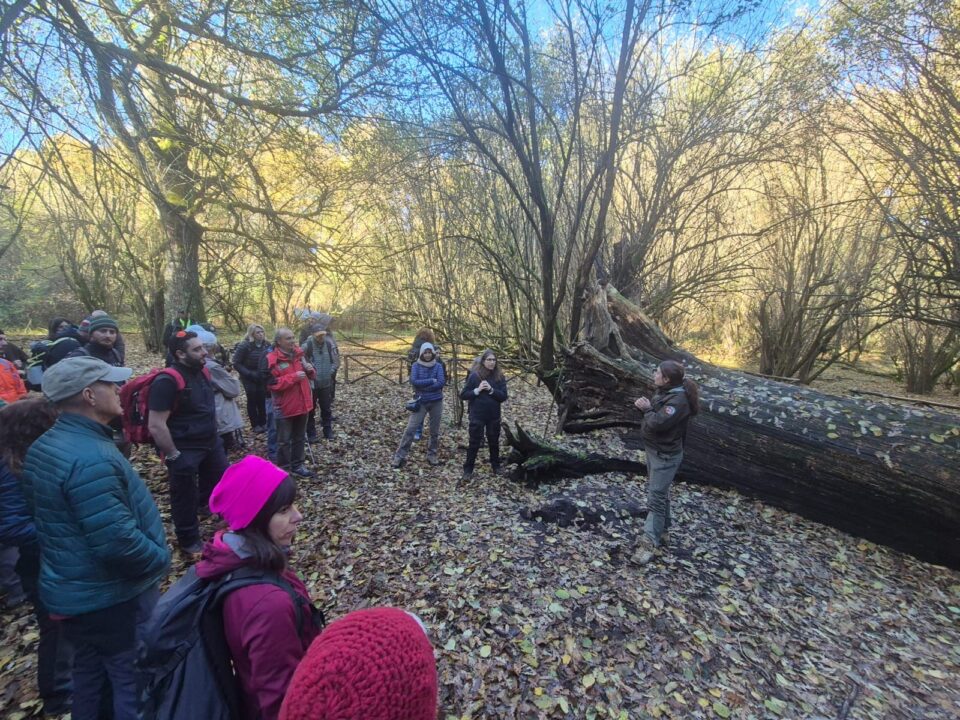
(257, 501)
(374, 664)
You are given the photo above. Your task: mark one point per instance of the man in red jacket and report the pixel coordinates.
(288, 377)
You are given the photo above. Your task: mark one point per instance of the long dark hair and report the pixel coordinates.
(481, 370)
(54, 324)
(676, 375)
(265, 553)
(21, 423)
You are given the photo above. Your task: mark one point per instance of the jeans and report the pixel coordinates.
(271, 416)
(322, 397)
(291, 441)
(256, 402)
(192, 477)
(661, 469)
(477, 429)
(435, 410)
(106, 649)
(54, 651)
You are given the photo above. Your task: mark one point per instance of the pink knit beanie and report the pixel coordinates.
(244, 489)
(374, 664)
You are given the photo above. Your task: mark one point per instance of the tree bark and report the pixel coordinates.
(888, 473)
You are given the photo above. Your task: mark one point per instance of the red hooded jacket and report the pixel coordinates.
(260, 625)
(292, 396)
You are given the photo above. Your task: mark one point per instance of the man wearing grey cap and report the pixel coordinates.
(103, 549)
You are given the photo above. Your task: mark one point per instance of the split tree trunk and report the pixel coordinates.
(888, 473)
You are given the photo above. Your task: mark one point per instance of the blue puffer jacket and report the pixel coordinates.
(428, 381)
(16, 524)
(100, 532)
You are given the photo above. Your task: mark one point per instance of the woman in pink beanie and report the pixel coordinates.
(268, 626)
(374, 664)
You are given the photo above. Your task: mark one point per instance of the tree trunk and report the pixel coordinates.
(539, 461)
(184, 235)
(888, 473)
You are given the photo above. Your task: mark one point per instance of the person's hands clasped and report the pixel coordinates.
(301, 375)
(642, 404)
(484, 386)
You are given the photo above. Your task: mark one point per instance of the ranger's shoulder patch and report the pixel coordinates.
(669, 409)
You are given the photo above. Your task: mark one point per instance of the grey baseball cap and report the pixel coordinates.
(71, 375)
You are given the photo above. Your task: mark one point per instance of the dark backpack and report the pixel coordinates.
(135, 401)
(184, 667)
(39, 361)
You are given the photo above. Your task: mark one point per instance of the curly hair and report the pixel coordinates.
(425, 334)
(21, 423)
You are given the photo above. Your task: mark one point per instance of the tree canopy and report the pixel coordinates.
(785, 185)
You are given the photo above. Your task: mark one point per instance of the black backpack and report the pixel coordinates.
(184, 667)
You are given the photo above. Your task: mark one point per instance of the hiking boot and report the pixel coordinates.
(645, 552)
(467, 474)
(313, 439)
(433, 460)
(397, 463)
(194, 548)
(303, 472)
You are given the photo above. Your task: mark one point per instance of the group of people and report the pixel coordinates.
(93, 552)
(92, 549)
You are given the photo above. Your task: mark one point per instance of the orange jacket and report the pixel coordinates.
(11, 386)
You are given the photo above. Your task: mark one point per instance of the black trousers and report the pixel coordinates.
(54, 651)
(256, 402)
(477, 429)
(192, 477)
(322, 398)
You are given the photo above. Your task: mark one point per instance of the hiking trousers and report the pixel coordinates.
(106, 650)
(192, 477)
(477, 429)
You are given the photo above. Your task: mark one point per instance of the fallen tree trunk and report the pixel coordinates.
(538, 461)
(888, 473)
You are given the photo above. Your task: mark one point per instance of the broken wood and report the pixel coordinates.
(888, 473)
(538, 461)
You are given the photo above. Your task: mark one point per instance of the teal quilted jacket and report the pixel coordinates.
(101, 537)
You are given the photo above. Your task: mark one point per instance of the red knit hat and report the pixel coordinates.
(374, 664)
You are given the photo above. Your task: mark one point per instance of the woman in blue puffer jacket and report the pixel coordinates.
(428, 378)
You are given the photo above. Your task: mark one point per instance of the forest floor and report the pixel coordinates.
(751, 613)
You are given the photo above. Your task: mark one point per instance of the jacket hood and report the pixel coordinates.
(427, 346)
(221, 555)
